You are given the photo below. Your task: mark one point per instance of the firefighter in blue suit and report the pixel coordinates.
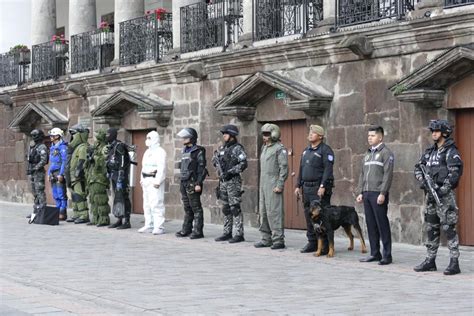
(57, 170)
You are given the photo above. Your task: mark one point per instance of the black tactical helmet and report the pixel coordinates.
(442, 126)
(78, 128)
(188, 132)
(230, 129)
(37, 135)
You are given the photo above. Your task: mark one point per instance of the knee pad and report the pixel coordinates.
(226, 209)
(235, 209)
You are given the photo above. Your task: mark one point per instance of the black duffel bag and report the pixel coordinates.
(47, 216)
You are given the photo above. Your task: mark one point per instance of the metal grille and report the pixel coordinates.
(215, 24)
(8, 70)
(145, 38)
(48, 61)
(349, 12)
(277, 18)
(455, 3)
(91, 50)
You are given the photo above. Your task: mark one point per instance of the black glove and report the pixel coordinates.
(226, 176)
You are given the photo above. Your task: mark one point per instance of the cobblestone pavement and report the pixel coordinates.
(84, 270)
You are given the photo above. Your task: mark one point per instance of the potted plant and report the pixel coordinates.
(59, 44)
(21, 54)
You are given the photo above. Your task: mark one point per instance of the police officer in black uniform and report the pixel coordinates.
(37, 160)
(193, 173)
(444, 166)
(315, 180)
(118, 168)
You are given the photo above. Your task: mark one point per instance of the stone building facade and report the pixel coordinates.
(398, 73)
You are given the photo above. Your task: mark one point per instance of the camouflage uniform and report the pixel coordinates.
(233, 161)
(97, 181)
(77, 176)
(444, 166)
(37, 160)
(273, 174)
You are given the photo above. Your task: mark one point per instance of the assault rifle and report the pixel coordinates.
(217, 164)
(430, 183)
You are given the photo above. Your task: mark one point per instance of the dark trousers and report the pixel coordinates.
(310, 193)
(193, 211)
(378, 225)
(122, 206)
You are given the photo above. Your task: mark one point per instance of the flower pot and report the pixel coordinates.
(60, 48)
(22, 57)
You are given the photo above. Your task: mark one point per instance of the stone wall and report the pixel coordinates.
(361, 97)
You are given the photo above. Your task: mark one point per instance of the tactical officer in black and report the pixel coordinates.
(315, 180)
(37, 160)
(230, 161)
(444, 166)
(118, 169)
(193, 173)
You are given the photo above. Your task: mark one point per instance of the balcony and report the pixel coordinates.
(91, 50)
(146, 38)
(456, 3)
(350, 12)
(216, 24)
(49, 60)
(278, 18)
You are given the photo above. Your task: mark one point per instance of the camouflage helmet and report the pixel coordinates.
(100, 135)
(442, 126)
(273, 129)
(37, 135)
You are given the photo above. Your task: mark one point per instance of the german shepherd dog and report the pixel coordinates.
(329, 218)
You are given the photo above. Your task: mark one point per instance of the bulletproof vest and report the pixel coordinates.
(34, 156)
(227, 158)
(118, 157)
(312, 165)
(186, 160)
(437, 165)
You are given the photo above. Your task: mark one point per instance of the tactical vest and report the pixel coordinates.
(226, 157)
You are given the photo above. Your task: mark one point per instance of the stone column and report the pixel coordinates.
(329, 16)
(82, 16)
(177, 4)
(43, 21)
(125, 10)
(247, 27)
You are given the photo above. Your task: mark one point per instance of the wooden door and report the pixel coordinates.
(138, 139)
(294, 137)
(464, 136)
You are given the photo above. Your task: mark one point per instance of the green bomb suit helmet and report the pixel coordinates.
(273, 129)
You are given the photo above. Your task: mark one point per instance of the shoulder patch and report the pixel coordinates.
(330, 157)
(391, 159)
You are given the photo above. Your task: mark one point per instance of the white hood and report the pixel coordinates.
(152, 139)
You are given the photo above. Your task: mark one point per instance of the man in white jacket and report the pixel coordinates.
(153, 184)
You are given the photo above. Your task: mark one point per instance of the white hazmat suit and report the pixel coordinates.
(153, 184)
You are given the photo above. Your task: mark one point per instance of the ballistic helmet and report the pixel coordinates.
(37, 135)
(230, 129)
(56, 132)
(273, 129)
(442, 126)
(188, 132)
(78, 128)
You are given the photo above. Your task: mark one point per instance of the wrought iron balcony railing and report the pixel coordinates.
(146, 38)
(8, 70)
(91, 50)
(350, 12)
(216, 24)
(49, 61)
(455, 3)
(277, 18)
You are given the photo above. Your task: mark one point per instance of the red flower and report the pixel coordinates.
(160, 13)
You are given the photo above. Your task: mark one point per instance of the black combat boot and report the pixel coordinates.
(427, 265)
(126, 224)
(309, 247)
(453, 267)
(224, 237)
(182, 234)
(196, 235)
(118, 223)
(236, 239)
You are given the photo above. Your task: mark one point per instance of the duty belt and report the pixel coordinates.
(311, 184)
(148, 175)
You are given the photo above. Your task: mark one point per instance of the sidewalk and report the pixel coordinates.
(84, 270)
